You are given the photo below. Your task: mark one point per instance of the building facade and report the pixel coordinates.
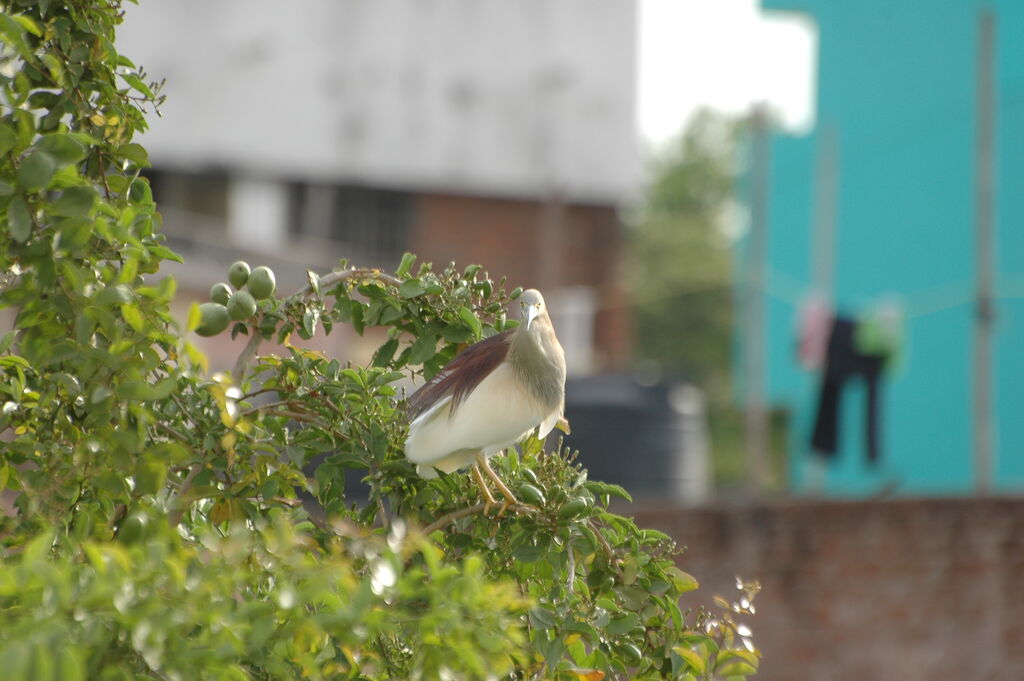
(466, 130)
(877, 208)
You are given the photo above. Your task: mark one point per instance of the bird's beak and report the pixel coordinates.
(531, 314)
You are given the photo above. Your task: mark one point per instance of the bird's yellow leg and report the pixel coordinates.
(489, 499)
(481, 462)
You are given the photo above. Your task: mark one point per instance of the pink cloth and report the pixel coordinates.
(815, 324)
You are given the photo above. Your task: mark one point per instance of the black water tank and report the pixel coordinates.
(648, 438)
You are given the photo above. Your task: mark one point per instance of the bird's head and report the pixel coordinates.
(532, 303)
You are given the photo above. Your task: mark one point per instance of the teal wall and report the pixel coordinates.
(896, 81)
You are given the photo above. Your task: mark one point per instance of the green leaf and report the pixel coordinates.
(135, 153)
(528, 553)
(36, 170)
(682, 581)
(411, 288)
(149, 477)
(133, 316)
(407, 262)
(622, 624)
(470, 319)
(423, 349)
(18, 220)
(14, 660)
(194, 317)
(692, 658)
(138, 84)
(6, 188)
(166, 253)
(385, 353)
(75, 202)
(8, 138)
(62, 148)
(112, 295)
(29, 25)
(69, 664)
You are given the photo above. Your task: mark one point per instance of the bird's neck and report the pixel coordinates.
(538, 362)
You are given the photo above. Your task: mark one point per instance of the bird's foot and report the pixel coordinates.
(510, 499)
(489, 499)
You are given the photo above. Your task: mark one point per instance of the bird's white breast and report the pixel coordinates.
(497, 414)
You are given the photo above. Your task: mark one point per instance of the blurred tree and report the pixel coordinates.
(681, 273)
(682, 280)
(158, 531)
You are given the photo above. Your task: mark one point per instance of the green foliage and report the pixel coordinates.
(175, 525)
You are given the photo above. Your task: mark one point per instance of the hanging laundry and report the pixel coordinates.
(844, 361)
(880, 332)
(814, 325)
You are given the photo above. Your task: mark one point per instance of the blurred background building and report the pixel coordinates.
(905, 199)
(494, 133)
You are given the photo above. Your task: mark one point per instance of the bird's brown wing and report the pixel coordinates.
(462, 374)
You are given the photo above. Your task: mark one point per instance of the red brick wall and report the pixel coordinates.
(507, 236)
(907, 590)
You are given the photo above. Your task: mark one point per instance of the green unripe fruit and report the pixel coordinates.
(241, 306)
(261, 283)
(529, 475)
(573, 508)
(238, 274)
(530, 494)
(132, 528)
(219, 293)
(213, 318)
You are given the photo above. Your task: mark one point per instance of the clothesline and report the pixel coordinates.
(793, 291)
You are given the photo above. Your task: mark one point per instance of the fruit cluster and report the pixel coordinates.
(236, 301)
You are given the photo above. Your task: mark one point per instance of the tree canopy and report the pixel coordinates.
(171, 524)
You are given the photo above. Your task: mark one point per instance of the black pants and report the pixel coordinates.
(843, 362)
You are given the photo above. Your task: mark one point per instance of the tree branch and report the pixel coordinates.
(329, 280)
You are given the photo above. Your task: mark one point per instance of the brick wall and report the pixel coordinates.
(907, 590)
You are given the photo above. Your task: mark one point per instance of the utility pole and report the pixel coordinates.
(756, 416)
(826, 188)
(984, 185)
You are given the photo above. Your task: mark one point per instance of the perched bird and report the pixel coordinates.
(493, 394)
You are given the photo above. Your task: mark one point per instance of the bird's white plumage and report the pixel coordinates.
(496, 414)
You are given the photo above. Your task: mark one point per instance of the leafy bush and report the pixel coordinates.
(172, 525)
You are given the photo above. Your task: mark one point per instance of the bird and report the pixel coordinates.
(489, 397)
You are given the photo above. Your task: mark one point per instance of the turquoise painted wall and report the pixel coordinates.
(896, 81)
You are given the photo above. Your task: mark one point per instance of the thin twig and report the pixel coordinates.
(247, 354)
(184, 412)
(450, 518)
(172, 431)
(604, 542)
(265, 407)
(382, 512)
(254, 393)
(178, 510)
(572, 571)
(298, 416)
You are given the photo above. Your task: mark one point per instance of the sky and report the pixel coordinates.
(726, 54)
